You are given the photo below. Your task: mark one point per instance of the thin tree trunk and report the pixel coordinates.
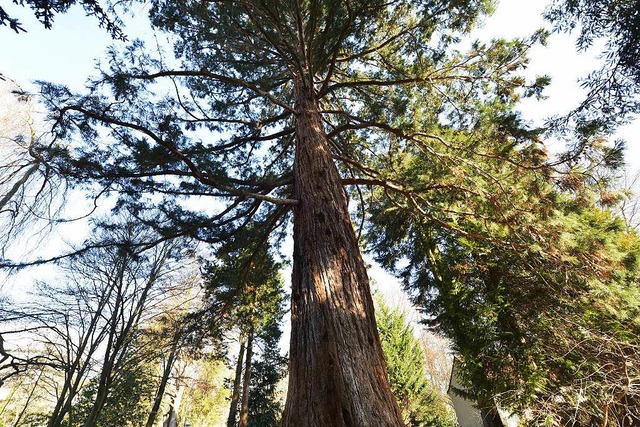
(9, 397)
(235, 395)
(174, 409)
(79, 366)
(244, 409)
(58, 411)
(107, 364)
(166, 373)
(65, 400)
(16, 422)
(74, 376)
(177, 402)
(101, 395)
(337, 371)
(20, 183)
(118, 341)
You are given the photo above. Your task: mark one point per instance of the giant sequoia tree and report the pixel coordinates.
(280, 107)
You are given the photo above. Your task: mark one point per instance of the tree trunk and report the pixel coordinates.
(19, 184)
(106, 372)
(172, 418)
(337, 371)
(58, 413)
(101, 395)
(244, 408)
(174, 407)
(163, 382)
(235, 395)
(79, 366)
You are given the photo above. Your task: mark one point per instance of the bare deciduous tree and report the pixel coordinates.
(31, 191)
(87, 327)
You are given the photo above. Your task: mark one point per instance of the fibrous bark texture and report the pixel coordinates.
(235, 394)
(337, 372)
(244, 408)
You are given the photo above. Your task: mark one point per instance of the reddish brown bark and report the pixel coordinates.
(337, 372)
(244, 407)
(235, 395)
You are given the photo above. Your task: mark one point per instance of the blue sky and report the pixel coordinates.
(65, 54)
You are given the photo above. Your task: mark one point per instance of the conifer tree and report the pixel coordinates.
(541, 299)
(244, 285)
(615, 86)
(272, 108)
(420, 402)
(269, 369)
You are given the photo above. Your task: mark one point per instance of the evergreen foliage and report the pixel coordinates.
(265, 406)
(420, 402)
(227, 133)
(245, 288)
(511, 253)
(537, 286)
(129, 400)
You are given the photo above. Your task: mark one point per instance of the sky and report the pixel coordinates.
(67, 54)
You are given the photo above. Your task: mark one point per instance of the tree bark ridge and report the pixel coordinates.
(337, 368)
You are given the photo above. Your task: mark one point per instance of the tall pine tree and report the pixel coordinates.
(420, 402)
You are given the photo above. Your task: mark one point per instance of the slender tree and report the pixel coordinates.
(235, 390)
(245, 280)
(420, 401)
(164, 378)
(134, 287)
(246, 380)
(89, 324)
(265, 407)
(31, 192)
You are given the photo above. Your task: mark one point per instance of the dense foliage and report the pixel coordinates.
(128, 403)
(537, 284)
(265, 399)
(420, 402)
(245, 291)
